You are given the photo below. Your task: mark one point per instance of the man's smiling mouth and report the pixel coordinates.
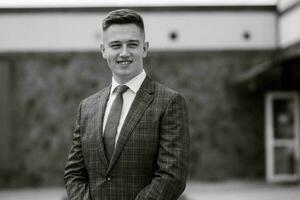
(124, 62)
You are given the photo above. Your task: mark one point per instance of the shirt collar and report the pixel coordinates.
(134, 84)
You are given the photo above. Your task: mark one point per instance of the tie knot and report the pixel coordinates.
(121, 89)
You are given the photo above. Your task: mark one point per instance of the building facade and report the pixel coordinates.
(220, 58)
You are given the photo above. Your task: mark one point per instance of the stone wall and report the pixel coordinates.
(227, 138)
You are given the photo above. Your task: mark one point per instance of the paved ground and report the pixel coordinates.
(241, 191)
(232, 190)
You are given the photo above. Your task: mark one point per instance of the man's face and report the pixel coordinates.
(124, 48)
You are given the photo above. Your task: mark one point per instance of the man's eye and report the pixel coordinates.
(115, 46)
(132, 45)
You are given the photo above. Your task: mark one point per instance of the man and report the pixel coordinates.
(131, 138)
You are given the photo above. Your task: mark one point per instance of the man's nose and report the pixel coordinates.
(124, 51)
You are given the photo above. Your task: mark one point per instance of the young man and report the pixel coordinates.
(131, 139)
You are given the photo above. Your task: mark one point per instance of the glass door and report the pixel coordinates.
(282, 136)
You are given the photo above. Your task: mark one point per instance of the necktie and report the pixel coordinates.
(112, 122)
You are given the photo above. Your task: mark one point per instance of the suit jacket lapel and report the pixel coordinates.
(99, 119)
(142, 100)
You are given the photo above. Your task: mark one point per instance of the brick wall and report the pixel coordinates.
(227, 138)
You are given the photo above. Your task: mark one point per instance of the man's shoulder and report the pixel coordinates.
(164, 90)
(94, 97)
(165, 95)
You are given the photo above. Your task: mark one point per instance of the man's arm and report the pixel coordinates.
(76, 177)
(170, 178)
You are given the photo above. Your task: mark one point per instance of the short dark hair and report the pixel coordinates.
(123, 16)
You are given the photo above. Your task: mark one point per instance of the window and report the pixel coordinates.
(5, 109)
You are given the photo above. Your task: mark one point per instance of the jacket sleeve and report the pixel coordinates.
(76, 177)
(170, 177)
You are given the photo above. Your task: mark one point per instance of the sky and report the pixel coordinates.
(112, 3)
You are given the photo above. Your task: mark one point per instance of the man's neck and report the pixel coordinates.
(124, 80)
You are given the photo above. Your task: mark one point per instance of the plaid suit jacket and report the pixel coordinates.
(151, 156)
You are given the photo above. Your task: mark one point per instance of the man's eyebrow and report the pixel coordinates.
(126, 41)
(115, 41)
(129, 41)
(133, 41)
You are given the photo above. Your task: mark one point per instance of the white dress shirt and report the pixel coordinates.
(128, 96)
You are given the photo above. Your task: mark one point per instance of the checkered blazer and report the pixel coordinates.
(150, 160)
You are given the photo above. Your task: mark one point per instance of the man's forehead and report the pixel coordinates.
(122, 27)
(123, 32)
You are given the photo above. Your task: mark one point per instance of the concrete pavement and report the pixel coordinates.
(229, 190)
(236, 190)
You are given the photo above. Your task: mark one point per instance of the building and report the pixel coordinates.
(227, 60)
(279, 80)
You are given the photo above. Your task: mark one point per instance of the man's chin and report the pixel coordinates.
(122, 66)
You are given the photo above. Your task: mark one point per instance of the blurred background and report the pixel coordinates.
(236, 62)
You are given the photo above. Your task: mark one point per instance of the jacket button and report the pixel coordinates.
(108, 179)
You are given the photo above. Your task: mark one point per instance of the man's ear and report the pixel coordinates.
(102, 49)
(145, 49)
